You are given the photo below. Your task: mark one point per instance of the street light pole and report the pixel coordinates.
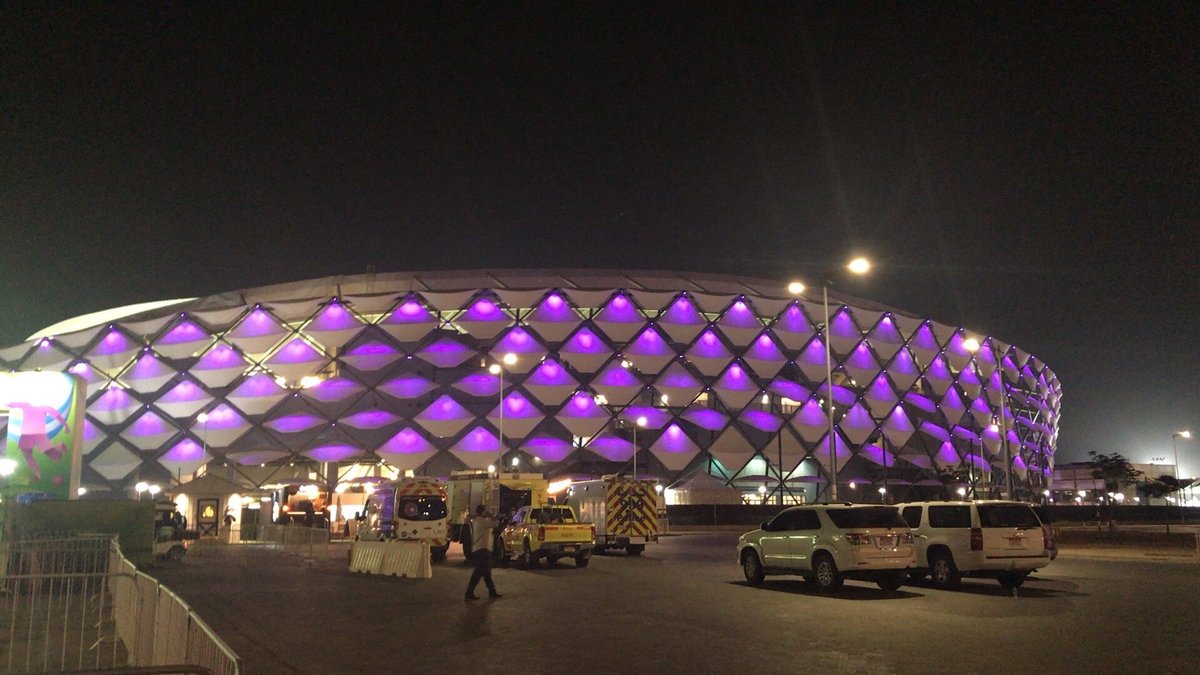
(1179, 474)
(498, 369)
(833, 491)
(640, 422)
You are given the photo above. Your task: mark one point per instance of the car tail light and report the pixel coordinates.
(541, 534)
(1045, 537)
(904, 538)
(858, 538)
(976, 539)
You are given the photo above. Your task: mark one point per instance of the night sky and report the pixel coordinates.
(1028, 171)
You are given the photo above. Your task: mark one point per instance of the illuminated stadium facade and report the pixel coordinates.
(340, 376)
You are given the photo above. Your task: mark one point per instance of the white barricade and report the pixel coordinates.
(395, 558)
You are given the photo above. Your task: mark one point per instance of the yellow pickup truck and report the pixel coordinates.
(549, 531)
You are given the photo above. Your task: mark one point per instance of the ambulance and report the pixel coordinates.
(408, 509)
(626, 511)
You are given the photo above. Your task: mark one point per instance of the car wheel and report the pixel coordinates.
(1011, 579)
(582, 560)
(528, 559)
(752, 567)
(598, 549)
(890, 582)
(825, 572)
(943, 570)
(635, 549)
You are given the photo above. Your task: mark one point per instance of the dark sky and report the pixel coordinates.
(1024, 170)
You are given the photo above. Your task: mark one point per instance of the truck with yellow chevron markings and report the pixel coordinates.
(626, 511)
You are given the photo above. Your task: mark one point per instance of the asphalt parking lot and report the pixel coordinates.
(684, 607)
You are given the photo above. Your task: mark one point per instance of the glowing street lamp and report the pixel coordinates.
(857, 266)
(141, 487)
(498, 369)
(640, 422)
(1178, 473)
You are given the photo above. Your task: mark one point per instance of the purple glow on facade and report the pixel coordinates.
(446, 352)
(903, 364)
(965, 434)
(814, 353)
(968, 377)
(445, 408)
(811, 414)
(480, 384)
(792, 320)
(649, 343)
(980, 408)
(149, 424)
(370, 419)
(89, 430)
(679, 379)
(184, 392)
(789, 389)
(920, 402)
(224, 417)
(885, 331)
(554, 309)
(334, 317)
(612, 448)
(517, 406)
(333, 452)
(861, 358)
(81, 369)
(682, 312)
(219, 358)
(616, 376)
(411, 386)
(619, 310)
(898, 421)
(857, 417)
(295, 423)
(484, 310)
(371, 356)
(877, 455)
(740, 316)
(296, 351)
(938, 369)
(257, 386)
(925, 339)
(655, 417)
(257, 324)
(735, 379)
(581, 405)
(409, 312)
(584, 342)
(765, 349)
(113, 399)
(147, 366)
(710, 346)
(674, 440)
(547, 448)
(763, 421)
(841, 395)
(880, 389)
(406, 442)
(183, 333)
(706, 418)
(186, 450)
(550, 374)
(842, 326)
(113, 343)
(935, 431)
(334, 389)
(517, 341)
(479, 440)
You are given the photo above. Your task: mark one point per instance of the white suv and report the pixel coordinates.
(828, 543)
(1003, 540)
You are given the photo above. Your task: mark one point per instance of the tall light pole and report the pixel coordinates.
(1178, 474)
(857, 266)
(498, 369)
(640, 422)
(972, 345)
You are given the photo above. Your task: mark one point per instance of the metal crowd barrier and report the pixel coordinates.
(79, 605)
(308, 543)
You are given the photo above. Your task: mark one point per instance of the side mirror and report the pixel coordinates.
(764, 525)
(360, 516)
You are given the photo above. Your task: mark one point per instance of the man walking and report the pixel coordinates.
(482, 525)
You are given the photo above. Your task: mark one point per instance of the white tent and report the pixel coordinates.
(702, 488)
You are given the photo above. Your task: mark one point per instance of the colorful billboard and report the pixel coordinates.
(44, 437)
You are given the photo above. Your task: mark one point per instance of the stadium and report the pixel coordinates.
(682, 377)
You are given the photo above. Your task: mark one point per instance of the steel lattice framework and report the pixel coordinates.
(728, 372)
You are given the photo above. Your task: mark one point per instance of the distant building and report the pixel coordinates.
(345, 377)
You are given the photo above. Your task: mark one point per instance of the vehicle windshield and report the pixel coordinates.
(1007, 515)
(874, 516)
(552, 516)
(421, 508)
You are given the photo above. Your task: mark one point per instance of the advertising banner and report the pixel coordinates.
(44, 436)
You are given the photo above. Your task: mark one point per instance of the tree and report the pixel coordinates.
(1114, 470)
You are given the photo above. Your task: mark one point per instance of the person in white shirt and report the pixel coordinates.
(482, 526)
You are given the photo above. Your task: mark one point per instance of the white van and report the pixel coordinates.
(999, 539)
(408, 509)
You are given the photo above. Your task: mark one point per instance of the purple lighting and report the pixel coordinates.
(186, 450)
(409, 312)
(649, 343)
(257, 324)
(407, 442)
(221, 357)
(584, 342)
(480, 384)
(763, 421)
(370, 419)
(674, 440)
(411, 386)
(294, 423)
(479, 440)
(333, 317)
(182, 333)
(147, 366)
(611, 448)
(334, 389)
(257, 386)
(740, 316)
(683, 312)
(184, 392)
(517, 341)
(484, 310)
(765, 349)
(296, 351)
(709, 346)
(445, 408)
(333, 452)
(554, 309)
(113, 343)
(550, 374)
(148, 424)
(580, 405)
(224, 417)
(548, 449)
(706, 418)
(113, 399)
(619, 310)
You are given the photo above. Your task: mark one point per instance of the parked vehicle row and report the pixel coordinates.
(945, 541)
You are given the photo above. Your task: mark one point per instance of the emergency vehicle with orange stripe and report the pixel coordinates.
(627, 512)
(408, 509)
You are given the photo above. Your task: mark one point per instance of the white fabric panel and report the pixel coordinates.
(553, 394)
(221, 438)
(732, 449)
(183, 350)
(771, 307)
(447, 301)
(522, 298)
(620, 332)
(766, 368)
(371, 304)
(709, 366)
(444, 428)
(48, 358)
(619, 395)
(654, 301)
(589, 299)
(406, 461)
(484, 330)
(176, 468)
(150, 327)
(219, 319)
(514, 427)
(585, 427)
(713, 303)
(183, 409)
(585, 363)
(682, 332)
(116, 462)
(218, 377)
(554, 331)
(73, 340)
(649, 364)
(907, 325)
(674, 461)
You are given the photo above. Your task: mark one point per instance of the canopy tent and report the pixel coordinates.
(702, 488)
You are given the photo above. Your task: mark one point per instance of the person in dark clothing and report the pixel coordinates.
(482, 526)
